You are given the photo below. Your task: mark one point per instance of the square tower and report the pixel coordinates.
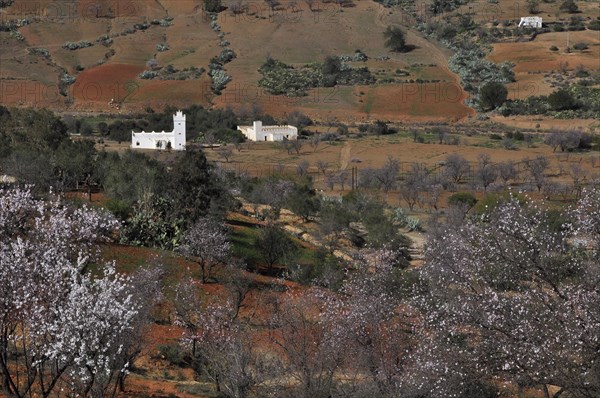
(179, 138)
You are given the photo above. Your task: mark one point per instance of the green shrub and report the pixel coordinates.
(279, 78)
(516, 135)
(553, 48)
(492, 200)
(561, 100)
(576, 23)
(212, 5)
(492, 95)
(569, 6)
(462, 199)
(326, 271)
(172, 353)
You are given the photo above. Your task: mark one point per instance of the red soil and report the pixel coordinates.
(105, 82)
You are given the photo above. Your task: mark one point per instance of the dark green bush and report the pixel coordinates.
(462, 198)
(479, 389)
(172, 353)
(562, 99)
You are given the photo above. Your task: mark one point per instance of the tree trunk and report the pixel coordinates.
(546, 392)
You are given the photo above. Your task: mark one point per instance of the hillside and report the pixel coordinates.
(122, 57)
(124, 39)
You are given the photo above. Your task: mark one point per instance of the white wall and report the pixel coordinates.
(258, 132)
(535, 22)
(177, 138)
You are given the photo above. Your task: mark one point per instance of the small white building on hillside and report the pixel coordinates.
(164, 140)
(532, 22)
(258, 132)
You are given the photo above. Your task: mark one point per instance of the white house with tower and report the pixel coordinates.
(532, 22)
(258, 132)
(164, 140)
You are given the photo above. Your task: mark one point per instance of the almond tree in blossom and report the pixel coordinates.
(368, 322)
(60, 327)
(206, 243)
(513, 297)
(308, 357)
(219, 341)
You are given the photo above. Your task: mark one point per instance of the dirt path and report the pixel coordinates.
(162, 6)
(417, 249)
(345, 156)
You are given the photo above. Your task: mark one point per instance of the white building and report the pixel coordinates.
(163, 140)
(533, 22)
(258, 132)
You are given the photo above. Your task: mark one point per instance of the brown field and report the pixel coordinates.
(67, 11)
(58, 22)
(254, 38)
(484, 11)
(26, 79)
(109, 81)
(294, 35)
(545, 123)
(534, 59)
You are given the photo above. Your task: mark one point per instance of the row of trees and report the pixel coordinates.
(454, 172)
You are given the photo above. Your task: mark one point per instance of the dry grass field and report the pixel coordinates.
(373, 151)
(533, 60)
(510, 10)
(546, 123)
(26, 79)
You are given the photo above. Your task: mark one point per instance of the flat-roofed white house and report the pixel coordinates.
(164, 140)
(533, 22)
(258, 132)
